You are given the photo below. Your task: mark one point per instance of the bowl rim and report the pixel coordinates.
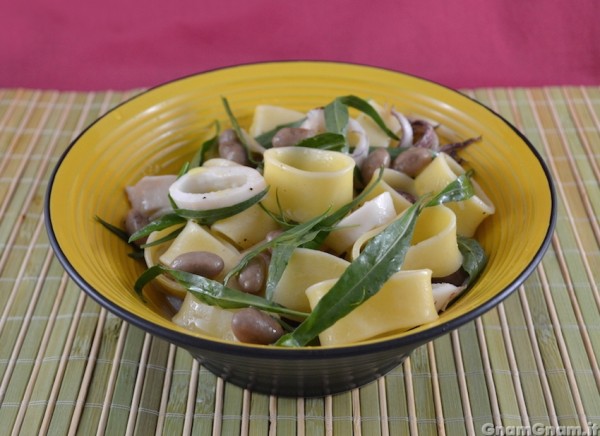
(195, 342)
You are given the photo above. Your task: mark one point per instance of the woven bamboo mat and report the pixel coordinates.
(69, 367)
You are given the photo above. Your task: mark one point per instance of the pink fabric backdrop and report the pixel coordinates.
(119, 44)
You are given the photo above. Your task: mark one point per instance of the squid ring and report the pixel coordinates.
(207, 188)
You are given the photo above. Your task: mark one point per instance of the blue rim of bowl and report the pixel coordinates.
(198, 343)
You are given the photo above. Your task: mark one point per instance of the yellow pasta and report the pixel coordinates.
(377, 138)
(246, 228)
(393, 182)
(268, 117)
(403, 302)
(306, 182)
(194, 237)
(305, 268)
(152, 257)
(470, 213)
(209, 320)
(434, 244)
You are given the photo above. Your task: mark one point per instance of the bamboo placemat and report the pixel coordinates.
(69, 367)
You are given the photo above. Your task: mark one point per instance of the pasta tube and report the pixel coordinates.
(306, 182)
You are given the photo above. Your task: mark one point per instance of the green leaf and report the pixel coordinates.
(363, 106)
(292, 238)
(459, 189)
(381, 258)
(164, 239)
(474, 257)
(184, 169)
(165, 221)
(336, 117)
(120, 233)
(137, 253)
(280, 257)
(324, 141)
(214, 293)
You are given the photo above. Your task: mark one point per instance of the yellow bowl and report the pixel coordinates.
(155, 132)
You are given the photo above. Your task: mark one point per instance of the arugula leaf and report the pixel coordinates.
(168, 220)
(336, 116)
(328, 223)
(208, 217)
(164, 239)
(212, 292)
(184, 169)
(474, 257)
(459, 189)
(363, 106)
(324, 141)
(291, 238)
(309, 234)
(120, 233)
(137, 252)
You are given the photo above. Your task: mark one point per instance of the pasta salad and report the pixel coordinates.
(333, 226)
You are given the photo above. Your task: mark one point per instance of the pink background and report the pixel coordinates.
(120, 44)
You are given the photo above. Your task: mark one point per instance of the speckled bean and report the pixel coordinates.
(252, 326)
(231, 148)
(252, 277)
(202, 263)
(412, 161)
(378, 158)
(288, 136)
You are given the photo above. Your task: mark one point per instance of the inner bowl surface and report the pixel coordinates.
(157, 131)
